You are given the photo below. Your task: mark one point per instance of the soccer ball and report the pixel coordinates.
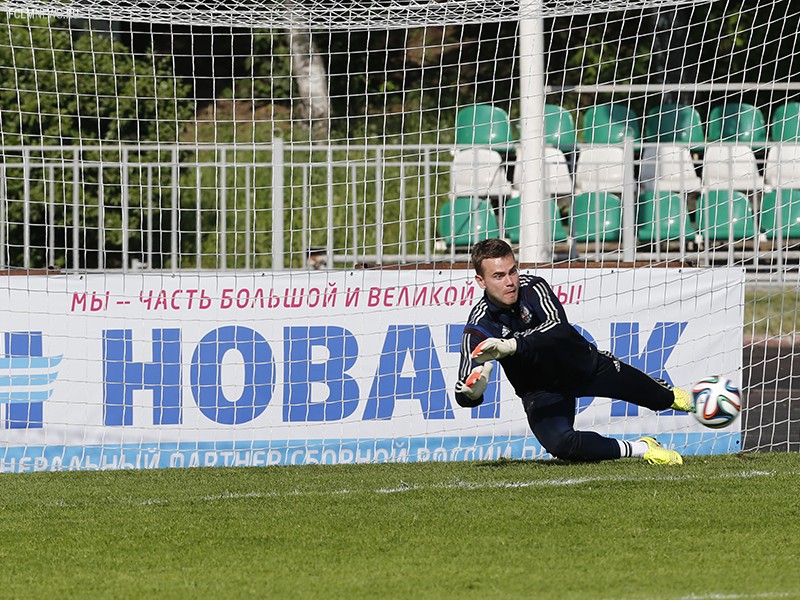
(717, 401)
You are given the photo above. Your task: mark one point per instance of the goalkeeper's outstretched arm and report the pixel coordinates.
(473, 377)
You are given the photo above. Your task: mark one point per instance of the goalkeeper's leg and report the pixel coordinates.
(616, 379)
(552, 417)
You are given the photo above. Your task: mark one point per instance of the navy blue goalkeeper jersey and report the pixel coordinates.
(551, 354)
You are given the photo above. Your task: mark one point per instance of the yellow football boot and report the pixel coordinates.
(683, 400)
(658, 455)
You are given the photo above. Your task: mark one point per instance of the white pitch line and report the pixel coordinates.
(739, 596)
(720, 596)
(567, 482)
(466, 485)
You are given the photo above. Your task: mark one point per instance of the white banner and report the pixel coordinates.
(170, 370)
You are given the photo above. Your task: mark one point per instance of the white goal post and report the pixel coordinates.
(240, 234)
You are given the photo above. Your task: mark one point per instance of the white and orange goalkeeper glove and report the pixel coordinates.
(476, 382)
(494, 349)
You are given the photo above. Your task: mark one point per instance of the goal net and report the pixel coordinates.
(240, 234)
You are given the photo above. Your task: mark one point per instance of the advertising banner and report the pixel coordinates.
(153, 370)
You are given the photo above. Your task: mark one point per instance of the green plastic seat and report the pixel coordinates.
(513, 218)
(725, 215)
(674, 123)
(785, 123)
(660, 217)
(609, 124)
(789, 221)
(737, 123)
(559, 128)
(596, 217)
(465, 221)
(484, 125)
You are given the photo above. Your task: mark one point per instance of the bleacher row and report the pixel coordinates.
(730, 182)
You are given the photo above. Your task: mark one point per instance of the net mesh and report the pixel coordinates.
(325, 15)
(299, 142)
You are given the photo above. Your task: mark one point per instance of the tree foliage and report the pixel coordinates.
(65, 86)
(717, 42)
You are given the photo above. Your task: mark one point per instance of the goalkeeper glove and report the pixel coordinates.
(476, 382)
(494, 349)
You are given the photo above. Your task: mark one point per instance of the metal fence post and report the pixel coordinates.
(628, 203)
(76, 212)
(222, 208)
(3, 201)
(125, 208)
(329, 245)
(278, 162)
(174, 199)
(26, 209)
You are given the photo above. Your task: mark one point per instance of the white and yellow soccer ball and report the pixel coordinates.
(717, 401)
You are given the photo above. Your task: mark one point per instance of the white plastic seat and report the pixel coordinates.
(557, 178)
(557, 181)
(731, 167)
(668, 168)
(783, 166)
(478, 172)
(600, 169)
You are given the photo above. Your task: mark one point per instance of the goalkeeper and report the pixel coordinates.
(520, 323)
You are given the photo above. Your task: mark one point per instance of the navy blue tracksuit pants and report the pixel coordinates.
(551, 415)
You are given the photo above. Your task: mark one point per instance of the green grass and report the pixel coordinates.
(721, 527)
(770, 312)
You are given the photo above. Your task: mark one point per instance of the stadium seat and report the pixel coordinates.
(600, 169)
(513, 214)
(742, 123)
(464, 221)
(609, 123)
(559, 231)
(512, 217)
(478, 172)
(725, 215)
(484, 125)
(668, 167)
(676, 123)
(660, 217)
(785, 123)
(789, 221)
(731, 167)
(559, 128)
(557, 180)
(596, 217)
(783, 166)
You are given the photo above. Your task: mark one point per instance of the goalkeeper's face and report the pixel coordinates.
(500, 278)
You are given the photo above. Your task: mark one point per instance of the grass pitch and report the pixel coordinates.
(718, 527)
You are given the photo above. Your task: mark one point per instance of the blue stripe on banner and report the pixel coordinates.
(28, 379)
(303, 452)
(30, 362)
(18, 397)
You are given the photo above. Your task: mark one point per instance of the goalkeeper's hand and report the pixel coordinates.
(476, 382)
(494, 349)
